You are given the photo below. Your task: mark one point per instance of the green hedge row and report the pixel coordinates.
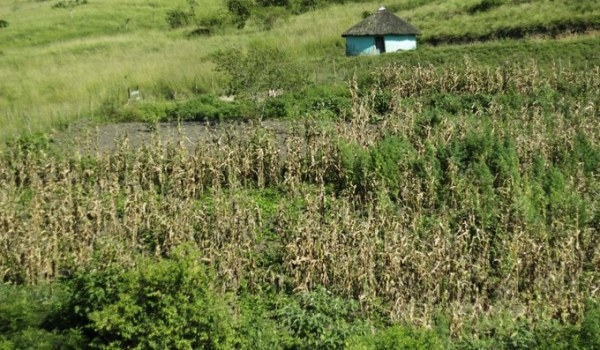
(172, 303)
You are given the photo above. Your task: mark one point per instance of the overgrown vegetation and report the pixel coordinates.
(177, 18)
(461, 199)
(445, 198)
(61, 66)
(67, 4)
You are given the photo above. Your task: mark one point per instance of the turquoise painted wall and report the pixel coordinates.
(365, 45)
(360, 45)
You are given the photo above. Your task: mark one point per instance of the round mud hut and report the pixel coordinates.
(381, 32)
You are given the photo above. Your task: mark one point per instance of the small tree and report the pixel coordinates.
(255, 71)
(240, 10)
(258, 69)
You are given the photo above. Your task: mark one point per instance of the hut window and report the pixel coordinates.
(380, 44)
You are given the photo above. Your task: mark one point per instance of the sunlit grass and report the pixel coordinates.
(62, 64)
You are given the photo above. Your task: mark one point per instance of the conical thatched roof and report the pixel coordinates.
(383, 22)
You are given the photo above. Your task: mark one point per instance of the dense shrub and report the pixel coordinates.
(398, 338)
(203, 108)
(151, 112)
(333, 99)
(240, 10)
(314, 319)
(514, 334)
(255, 328)
(162, 297)
(275, 108)
(178, 18)
(590, 327)
(484, 5)
(262, 67)
(23, 314)
(320, 320)
(378, 167)
(168, 303)
(456, 104)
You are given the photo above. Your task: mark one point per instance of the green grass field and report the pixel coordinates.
(61, 64)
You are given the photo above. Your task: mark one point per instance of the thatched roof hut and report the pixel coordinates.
(381, 32)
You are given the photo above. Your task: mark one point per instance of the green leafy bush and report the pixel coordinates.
(168, 303)
(397, 338)
(590, 327)
(382, 101)
(484, 5)
(240, 10)
(255, 328)
(272, 3)
(334, 99)
(203, 108)
(275, 108)
(514, 334)
(148, 112)
(456, 104)
(320, 320)
(177, 18)
(378, 167)
(23, 314)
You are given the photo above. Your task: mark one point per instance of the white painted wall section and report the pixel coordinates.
(395, 43)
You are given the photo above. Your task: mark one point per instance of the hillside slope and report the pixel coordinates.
(63, 59)
(443, 198)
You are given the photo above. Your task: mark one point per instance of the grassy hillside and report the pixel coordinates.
(445, 198)
(60, 63)
(458, 205)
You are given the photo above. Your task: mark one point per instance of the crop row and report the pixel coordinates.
(415, 207)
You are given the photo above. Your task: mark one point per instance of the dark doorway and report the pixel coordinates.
(380, 44)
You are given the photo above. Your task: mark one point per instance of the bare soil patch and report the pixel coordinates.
(105, 138)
